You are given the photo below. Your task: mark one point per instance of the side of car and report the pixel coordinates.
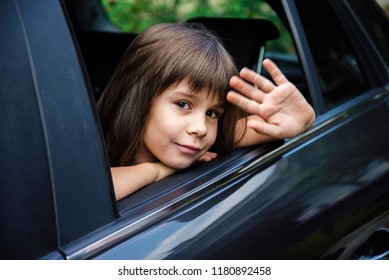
(55, 184)
(323, 194)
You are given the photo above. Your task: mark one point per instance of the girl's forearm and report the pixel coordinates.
(129, 179)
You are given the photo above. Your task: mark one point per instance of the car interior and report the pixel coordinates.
(102, 50)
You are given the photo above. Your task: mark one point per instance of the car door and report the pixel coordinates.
(55, 186)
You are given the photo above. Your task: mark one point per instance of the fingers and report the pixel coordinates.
(275, 72)
(246, 96)
(264, 128)
(254, 78)
(261, 82)
(246, 104)
(246, 89)
(247, 78)
(251, 98)
(208, 156)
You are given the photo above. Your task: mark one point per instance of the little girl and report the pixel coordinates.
(170, 104)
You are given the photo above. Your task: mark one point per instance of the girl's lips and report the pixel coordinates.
(190, 150)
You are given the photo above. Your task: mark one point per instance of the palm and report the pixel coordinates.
(276, 109)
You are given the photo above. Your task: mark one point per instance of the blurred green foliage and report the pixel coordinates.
(137, 15)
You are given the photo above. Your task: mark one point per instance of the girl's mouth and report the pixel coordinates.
(188, 149)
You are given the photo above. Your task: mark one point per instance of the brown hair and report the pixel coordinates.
(163, 55)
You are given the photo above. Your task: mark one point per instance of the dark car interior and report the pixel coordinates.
(102, 47)
(102, 50)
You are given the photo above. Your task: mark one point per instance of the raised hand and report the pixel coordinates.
(277, 110)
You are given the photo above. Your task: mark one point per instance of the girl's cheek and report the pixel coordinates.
(214, 130)
(213, 139)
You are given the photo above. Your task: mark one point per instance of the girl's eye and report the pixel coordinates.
(213, 114)
(183, 105)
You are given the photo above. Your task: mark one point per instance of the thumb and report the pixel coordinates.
(262, 127)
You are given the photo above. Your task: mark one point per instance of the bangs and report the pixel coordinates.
(211, 75)
(196, 55)
(209, 69)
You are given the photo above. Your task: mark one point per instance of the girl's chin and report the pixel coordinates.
(178, 164)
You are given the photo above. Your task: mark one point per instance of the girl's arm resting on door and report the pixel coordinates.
(129, 179)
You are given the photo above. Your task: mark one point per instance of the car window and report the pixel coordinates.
(341, 76)
(102, 49)
(384, 5)
(377, 24)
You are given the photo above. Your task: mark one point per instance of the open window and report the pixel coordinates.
(249, 38)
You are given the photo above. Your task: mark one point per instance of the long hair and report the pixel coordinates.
(164, 55)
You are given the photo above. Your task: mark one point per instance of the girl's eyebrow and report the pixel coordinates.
(186, 93)
(190, 94)
(220, 106)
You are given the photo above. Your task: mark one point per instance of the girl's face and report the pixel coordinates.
(182, 126)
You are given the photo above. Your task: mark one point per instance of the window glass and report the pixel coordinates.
(384, 4)
(337, 65)
(377, 24)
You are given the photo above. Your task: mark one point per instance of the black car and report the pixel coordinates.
(321, 195)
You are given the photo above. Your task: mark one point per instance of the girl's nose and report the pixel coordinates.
(198, 126)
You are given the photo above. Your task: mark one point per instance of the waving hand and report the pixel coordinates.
(276, 110)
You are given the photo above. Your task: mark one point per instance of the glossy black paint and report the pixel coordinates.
(54, 181)
(321, 195)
